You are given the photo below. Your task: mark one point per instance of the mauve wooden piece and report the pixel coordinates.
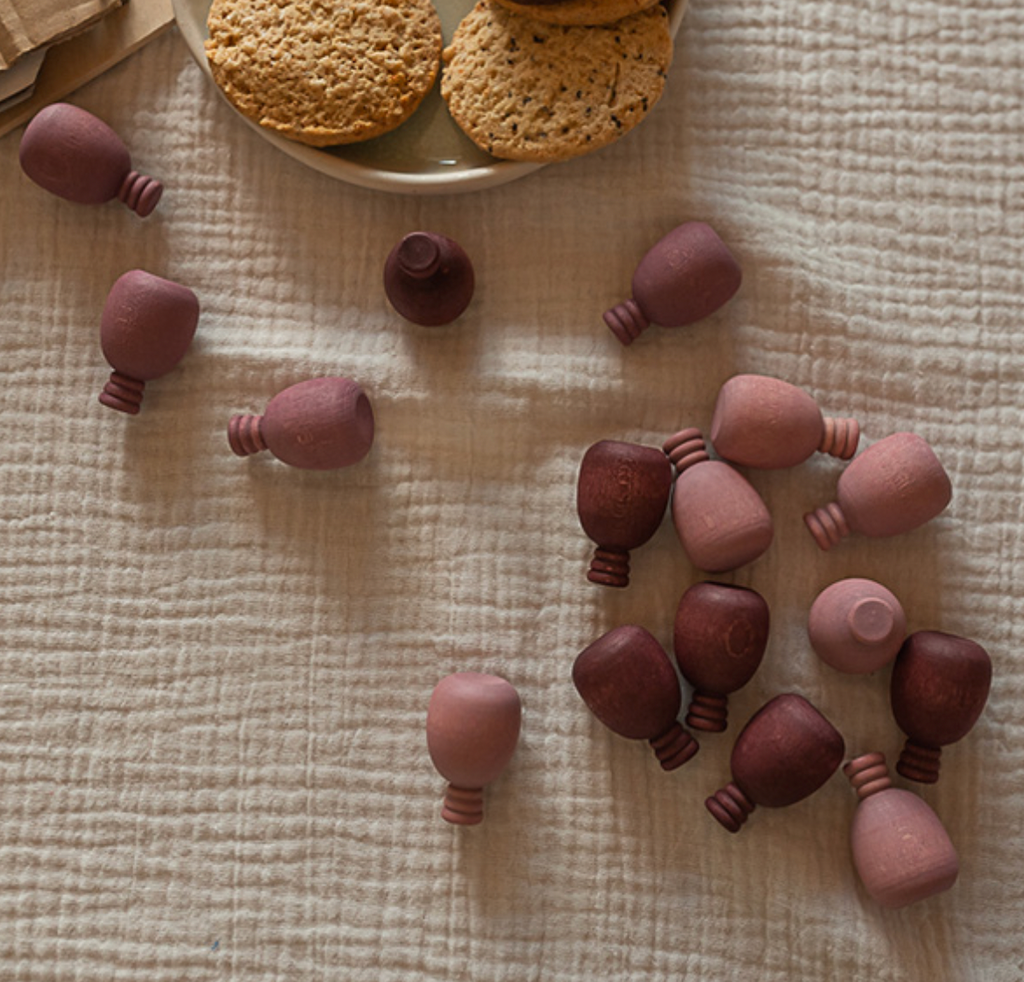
(761, 421)
(320, 424)
(473, 723)
(622, 493)
(683, 278)
(147, 325)
(901, 850)
(784, 754)
(856, 625)
(76, 156)
(720, 637)
(429, 278)
(892, 487)
(720, 519)
(939, 686)
(627, 681)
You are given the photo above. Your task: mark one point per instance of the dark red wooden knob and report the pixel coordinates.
(73, 154)
(429, 278)
(939, 686)
(147, 326)
(320, 424)
(721, 633)
(621, 496)
(627, 681)
(784, 754)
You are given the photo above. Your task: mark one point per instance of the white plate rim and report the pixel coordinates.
(359, 174)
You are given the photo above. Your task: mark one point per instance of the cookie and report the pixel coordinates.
(523, 89)
(578, 11)
(324, 72)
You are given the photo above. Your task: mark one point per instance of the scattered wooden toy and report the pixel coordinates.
(720, 637)
(720, 519)
(428, 278)
(76, 156)
(759, 421)
(473, 723)
(892, 487)
(939, 686)
(146, 328)
(622, 493)
(683, 278)
(320, 424)
(856, 625)
(901, 850)
(627, 681)
(785, 753)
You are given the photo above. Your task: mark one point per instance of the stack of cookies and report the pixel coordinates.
(528, 80)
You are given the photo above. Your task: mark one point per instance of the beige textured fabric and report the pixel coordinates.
(214, 672)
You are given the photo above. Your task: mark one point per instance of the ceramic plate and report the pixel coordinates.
(428, 154)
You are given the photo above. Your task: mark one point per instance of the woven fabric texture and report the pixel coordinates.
(214, 672)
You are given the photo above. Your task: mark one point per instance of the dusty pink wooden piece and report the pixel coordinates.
(939, 686)
(627, 681)
(73, 154)
(720, 637)
(320, 424)
(622, 493)
(146, 328)
(473, 723)
(892, 487)
(784, 754)
(901, 850)
(856, 625)
(720, 519)
(428, 278)
(761, 421)
(684, 277)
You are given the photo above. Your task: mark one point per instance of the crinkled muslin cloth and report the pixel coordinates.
(215, 671)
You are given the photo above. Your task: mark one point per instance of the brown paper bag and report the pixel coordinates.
(29, 24)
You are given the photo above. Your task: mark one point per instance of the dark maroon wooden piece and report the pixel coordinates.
(720, 519)
(784, 754)
(320, 424)
(627, 681)
(147, 326)
(429, 278)
(473, 723)
(621, 496)
(892, 487)
(73, 154)
(683, 278)
(939, 686)
(721, 633)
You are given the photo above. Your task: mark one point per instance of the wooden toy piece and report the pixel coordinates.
(856, 625)
(473, 723)
(147, 326)
(684, 277)
(761, 421)
(939, 686)
(76, 156)
(784, 754)
(629, 684)
(720, 519)
(721, 633)
(892, 487)
(320, 424)
(621, 496)
(901, 850)
(428, 278)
